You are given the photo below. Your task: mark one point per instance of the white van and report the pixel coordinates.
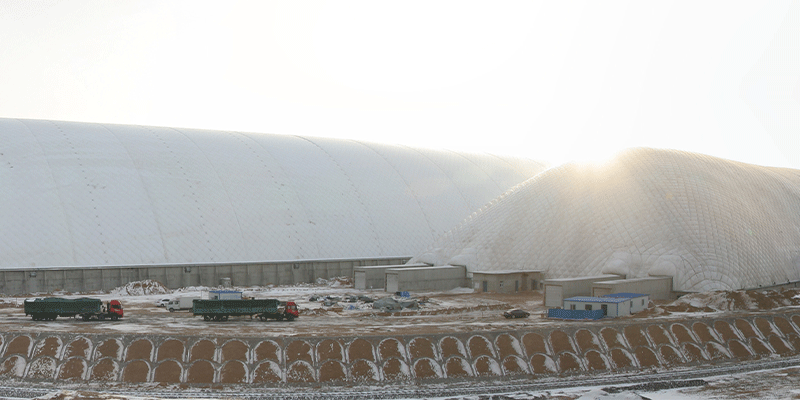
(181, 303)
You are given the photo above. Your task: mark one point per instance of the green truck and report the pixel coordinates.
(264, 309)
(50, 308)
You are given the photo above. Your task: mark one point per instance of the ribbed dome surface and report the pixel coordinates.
(77, 194)
(708, 222)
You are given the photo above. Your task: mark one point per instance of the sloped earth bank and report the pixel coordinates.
(223, 362)
(459, 343)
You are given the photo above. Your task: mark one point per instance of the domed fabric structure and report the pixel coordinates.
(80, 194)
(709, 223)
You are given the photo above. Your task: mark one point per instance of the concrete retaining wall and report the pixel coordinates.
(584, 348)
(84, 279)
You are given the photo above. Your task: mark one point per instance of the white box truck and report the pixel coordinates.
(181, 303)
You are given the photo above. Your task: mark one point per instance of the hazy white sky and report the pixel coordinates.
(553, 81)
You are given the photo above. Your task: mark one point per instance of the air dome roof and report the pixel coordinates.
(79, 194)
(708, 222)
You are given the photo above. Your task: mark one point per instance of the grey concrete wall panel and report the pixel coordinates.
(553, 295)
(659, 288)
(87, 194)
(425, 278)
(710, 223)
(35, 280)
(511, 281)
(375, 277)
(571, 287)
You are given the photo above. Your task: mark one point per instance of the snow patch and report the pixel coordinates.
(141, 288)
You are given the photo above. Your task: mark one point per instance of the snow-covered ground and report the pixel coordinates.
(323, 310)
(775, 384)
(764, 385)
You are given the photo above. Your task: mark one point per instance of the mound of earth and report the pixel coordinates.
(339, 281)
(141, 288)
(729, 300)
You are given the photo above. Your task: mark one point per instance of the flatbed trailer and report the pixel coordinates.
(50, 308)
(264, 309)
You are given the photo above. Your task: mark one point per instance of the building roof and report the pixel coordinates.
(625, 295)
(507, 272)
(607, 298)
(636, 280)
(590, 299)
(581, 278)
(90, 194)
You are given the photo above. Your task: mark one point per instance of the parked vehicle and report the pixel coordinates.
(181, 303)
(264, 309)
(516, 313)
(162, 302)
(50, 308)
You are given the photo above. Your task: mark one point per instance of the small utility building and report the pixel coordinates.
(426, 278)
(658, 287)
(374, 277)
(224, 295)
(556, 290)
(613, 305)
(510, 281)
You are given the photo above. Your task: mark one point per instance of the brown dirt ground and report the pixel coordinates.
(586, 340)
(506, 346)
(682, 334)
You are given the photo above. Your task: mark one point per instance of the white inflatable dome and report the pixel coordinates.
(710, 223)
(83, 194)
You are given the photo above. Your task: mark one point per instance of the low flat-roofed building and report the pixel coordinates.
(224, 295)
(509, 281)
(556, 290)
(374, 277)
(618, 304)
(418, 279)
(658, 287)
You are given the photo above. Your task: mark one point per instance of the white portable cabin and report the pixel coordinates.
(614, 305)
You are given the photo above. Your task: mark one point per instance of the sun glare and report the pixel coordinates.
(588, 153)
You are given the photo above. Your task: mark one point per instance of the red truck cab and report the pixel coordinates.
(114, 308)
(291, 309)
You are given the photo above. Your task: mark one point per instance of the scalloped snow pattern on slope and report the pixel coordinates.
(77, 194)
(708, 222)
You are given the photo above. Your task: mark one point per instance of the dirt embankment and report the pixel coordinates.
(727, 300)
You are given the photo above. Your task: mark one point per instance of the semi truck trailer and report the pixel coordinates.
(264, 309)
(50, 308)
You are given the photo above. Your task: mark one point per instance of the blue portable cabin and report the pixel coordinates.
(613, 305)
